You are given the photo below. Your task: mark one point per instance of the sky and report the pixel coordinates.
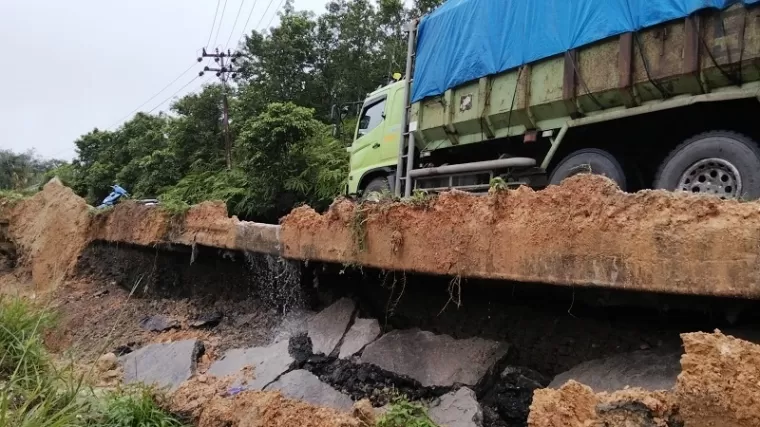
(70, 66)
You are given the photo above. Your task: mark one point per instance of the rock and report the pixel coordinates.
(208, 320)
(327, 328)
(362, 332)
(457, 409)
(162, 365)
(158, 323)
(106, 362)
(305, 386)
(268, 363)
(434, 360)
(100, 293)
(202, 379)
(648, 370)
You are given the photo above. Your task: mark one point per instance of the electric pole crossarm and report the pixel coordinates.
(224, 71)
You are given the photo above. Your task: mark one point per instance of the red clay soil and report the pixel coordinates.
(720, 381)
(719, 386)
(202, 400)
(51, 228)
(583, 232)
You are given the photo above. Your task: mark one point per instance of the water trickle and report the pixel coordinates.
(277, 281)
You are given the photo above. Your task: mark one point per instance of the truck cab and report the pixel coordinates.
(375, 144)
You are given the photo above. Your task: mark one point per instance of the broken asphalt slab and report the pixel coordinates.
(435, 360)
(162, 365)
(645, 369)
(305, 386)
(362, 332)
(327, 327)
(457, 409)
(268, 363)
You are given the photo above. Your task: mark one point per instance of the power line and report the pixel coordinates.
(213, 23)
(154, 96)
(174, 94)
(265, 13)
(245, 26)
(234, 24)
(221, 19)
(275, 13)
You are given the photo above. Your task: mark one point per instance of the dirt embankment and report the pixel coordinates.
(584, 232)
(50, 230)
(718, 386)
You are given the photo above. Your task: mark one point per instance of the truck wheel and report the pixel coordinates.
(589, 160)
(722, 163)
(375, 189)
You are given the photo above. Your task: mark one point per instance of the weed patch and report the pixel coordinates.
(34, 393)
(403, 413)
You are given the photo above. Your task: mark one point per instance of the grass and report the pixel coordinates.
(173, 206)
(11, 196)
(35, 393)
(359, 227)
(403, 413)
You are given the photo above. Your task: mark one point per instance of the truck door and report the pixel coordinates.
(369, 134)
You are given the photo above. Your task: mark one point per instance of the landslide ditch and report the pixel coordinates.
(516, 347)
(253, 298)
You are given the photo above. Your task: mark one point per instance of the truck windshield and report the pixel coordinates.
(372, 115)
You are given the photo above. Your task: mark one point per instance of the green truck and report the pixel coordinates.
(674, 106)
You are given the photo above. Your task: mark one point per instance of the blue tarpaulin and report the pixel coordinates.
(464, 40)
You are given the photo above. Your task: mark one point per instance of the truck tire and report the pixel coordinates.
(376, 187)
(589, 160)
(723, 163)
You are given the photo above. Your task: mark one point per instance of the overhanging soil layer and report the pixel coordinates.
(584, 232)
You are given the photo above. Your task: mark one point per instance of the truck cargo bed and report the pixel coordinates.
(705, 53)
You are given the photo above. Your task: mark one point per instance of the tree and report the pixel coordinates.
(280, 102)
(23, 171)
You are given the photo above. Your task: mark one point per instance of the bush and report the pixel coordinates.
(403, 413)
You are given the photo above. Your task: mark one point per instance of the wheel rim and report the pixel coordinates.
(712, 176)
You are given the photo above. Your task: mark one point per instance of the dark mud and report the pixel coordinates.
(178, 271)
(550, 328)
(505, 396)
(358, 380)
(8, 254)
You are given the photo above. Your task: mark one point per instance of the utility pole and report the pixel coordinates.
(224, 70)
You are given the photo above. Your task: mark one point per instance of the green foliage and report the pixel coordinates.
(20, 338)
(33, 393)
(283, 154)
(11, 196)
(23, 171)
(133, 408)
(358, 227)
(498, 184)
(403, 413)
